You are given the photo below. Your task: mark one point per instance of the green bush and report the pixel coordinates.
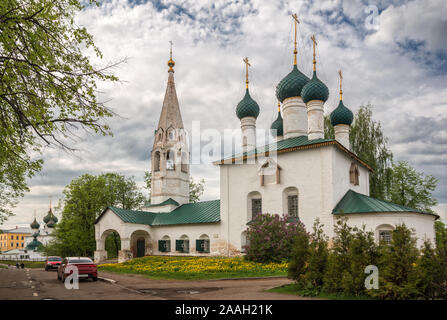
(405, 272)
(398, 276)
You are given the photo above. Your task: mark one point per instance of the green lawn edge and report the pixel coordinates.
(293, 289)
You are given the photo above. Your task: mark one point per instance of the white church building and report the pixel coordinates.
(301, 174)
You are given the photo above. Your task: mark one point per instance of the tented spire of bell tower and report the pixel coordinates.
(170, 113)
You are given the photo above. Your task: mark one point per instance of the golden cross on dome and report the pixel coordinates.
(279, 106)
(296, 21)
(247, 64)
(314, 40)
(171, 62)
(341, 78)
(170, 41)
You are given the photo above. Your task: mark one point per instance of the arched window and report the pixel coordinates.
(203, 244)
(157, 161)
(164, 245)
(170, 160)
(384, 233)
(290, 201)
(354, 174)
(182, 245)
(254, 205)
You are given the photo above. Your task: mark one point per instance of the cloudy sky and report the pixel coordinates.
(393, 55)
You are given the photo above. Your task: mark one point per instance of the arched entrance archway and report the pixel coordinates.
(101, 252)
(140, 243)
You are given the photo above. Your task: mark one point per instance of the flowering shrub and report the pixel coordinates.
(270, 238)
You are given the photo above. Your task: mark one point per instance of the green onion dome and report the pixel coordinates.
(278, 126)
(51, 223)
(315, 89)
(247, 107)
(341, 115)
(33, 244)
(48, 216)
(35, 224)
(291, 85)
(54, 218)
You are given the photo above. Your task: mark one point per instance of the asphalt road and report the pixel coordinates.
(37, 284)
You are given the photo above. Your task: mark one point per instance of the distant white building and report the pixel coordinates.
(35, 237)
(302, 175)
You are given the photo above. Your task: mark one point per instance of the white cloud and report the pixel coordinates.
(210, 41)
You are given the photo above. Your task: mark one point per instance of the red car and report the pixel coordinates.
(86, 268)
(52, 263)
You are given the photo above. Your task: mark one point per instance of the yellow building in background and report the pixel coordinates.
(14, 238)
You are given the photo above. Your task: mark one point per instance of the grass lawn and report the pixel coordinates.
(293, 289)
(28, 264)
(195, 268)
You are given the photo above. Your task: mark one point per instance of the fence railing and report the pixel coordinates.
(21, 259)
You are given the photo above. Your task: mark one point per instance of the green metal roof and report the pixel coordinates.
(33, 244)
(35, 224)
(247, 107)
(315, 89)
(277, 126)
(354, 202)
(291, 85)
(164, 203)
(132, 216)
(199, 212)
(341, 115)
(289, 145)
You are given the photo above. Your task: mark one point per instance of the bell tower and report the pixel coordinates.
(170, 153)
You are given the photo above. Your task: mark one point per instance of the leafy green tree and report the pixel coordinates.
(411, 188)
(83, 200)
(362, 252)
(431, 273)
(441, 252)
(196, 189)
(369, 143)
(338, 260)
(318, 256)
(47, 87)
(112, 244)
(398, 273)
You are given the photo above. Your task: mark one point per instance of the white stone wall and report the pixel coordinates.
(294, 117)
(341, 164)
(309, 172)
(315, 125)
(341, 132)
(422, 223)
(130, 231)
(248, 131)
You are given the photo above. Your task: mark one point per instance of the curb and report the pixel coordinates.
(107, 280)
